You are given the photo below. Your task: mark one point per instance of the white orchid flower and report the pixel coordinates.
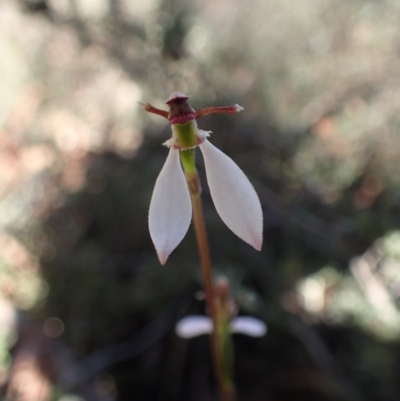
(234, 197)
(197, 325)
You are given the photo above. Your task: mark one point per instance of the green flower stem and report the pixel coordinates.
(219, 336)
(189, 165)
(225, 347)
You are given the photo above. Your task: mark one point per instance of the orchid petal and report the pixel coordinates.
(248, 325)
(170, 207)
(193, 326)
(234, 197)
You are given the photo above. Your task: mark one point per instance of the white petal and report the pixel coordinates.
(234, 197)
(193, 326)
(170, 207)
(248, 325)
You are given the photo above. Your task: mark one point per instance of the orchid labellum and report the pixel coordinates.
(234, 197)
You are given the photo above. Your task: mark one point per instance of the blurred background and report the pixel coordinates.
(86, 311)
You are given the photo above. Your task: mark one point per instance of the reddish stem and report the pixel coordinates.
(217, 110)
(151, 109)
(226, 388)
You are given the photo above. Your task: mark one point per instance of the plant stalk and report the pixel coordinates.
(225, 384)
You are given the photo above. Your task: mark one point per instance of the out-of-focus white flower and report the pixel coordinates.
(193, 326)
(234, 197)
